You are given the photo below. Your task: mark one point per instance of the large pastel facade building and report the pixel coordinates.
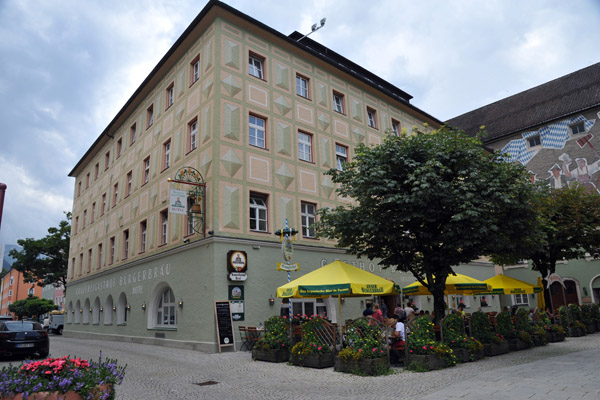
(245, 121)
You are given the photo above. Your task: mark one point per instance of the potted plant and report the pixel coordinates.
(64, 377)
(424, 353)
(313, 350)
(595, 310)
(493, 343)
(586, 318)
(465, 348)
(275, 344)
(575, 326)
(366, 349)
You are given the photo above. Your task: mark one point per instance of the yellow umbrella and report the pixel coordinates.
(502, 284)
(455, 284)
(337, 279)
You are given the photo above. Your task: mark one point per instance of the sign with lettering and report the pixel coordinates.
(178, 201)
(237, 265)
(236, 302)
(225, 335)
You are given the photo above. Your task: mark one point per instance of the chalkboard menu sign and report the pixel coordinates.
(224, 324)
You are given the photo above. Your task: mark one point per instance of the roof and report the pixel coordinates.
(306, 44)
(567, 95)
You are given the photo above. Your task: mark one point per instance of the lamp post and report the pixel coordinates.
(2, 190)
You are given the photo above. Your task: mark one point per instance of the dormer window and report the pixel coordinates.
(578, 128)
(534, 141)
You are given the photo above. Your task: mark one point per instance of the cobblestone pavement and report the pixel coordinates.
(567, 370)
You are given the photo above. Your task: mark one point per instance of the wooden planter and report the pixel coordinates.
(518, 344)
(313, 360)
(98, 393)
(365, 366)
(478, 355)
(575, 332)
(462, 355)
(591, 328)
(539, 340)
(428, 361)
(597, 326)
(554, 337)
(495, 349)
(271, 355)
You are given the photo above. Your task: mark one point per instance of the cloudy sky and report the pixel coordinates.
(68, 66)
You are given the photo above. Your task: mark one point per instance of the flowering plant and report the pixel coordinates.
(313, 338)
(421, 340)
(364, 339)
(276, 334)
(91, 380)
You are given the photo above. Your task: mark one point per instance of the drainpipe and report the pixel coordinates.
(2, 190)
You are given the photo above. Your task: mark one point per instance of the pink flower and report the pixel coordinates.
(374, 349)
(359, 350)
(424, 347)
(320, 347)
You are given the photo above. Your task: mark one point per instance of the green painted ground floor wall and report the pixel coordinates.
(123, 303)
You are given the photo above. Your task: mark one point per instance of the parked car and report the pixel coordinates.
(6, 318)
(23, 338)
(56, 324)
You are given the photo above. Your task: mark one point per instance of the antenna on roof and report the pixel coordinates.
(314, 28)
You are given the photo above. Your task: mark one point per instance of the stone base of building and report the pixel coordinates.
(177, 344)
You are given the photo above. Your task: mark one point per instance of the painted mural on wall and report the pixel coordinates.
(562, 154)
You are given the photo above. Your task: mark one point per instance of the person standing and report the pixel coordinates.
(377, 314)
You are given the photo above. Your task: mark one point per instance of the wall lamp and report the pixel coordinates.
(101, 309)
(114, 308)
(81, 310)
(342, 299)
(271, 301)
(128, 307)
(144, 306)
(180, 303)
(428, 298)
(90, 309)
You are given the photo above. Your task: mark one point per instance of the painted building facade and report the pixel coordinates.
(554, 130)
(260, 116)
(14, 288)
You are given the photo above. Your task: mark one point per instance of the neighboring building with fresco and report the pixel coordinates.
(246, 121)
(554, 130)
(14, 288)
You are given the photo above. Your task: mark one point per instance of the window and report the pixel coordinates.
(76, 228)
(112, 250)
(191, 219)
(84, 219)
(80, 263)
(119, 147)
(125, 243)
(132, 132)
(89, 263)
(150, 116)
(304, 147)
(10, 292)
(103, 205)
(92, 212)
(302, 86)
(308, 219)
(255, 66)
(87, 180)
(193, 134)
(79, 189)
(146, 170)
(12, 280)
(30, 292)
(170, 95)
(256, 131)
(106, 160)
(534, 141)
(577, 128)
(520, 299)
(129, 182)
(258, 212)
(99, 256)
(195, 70)
(164, 226)
(338, 102)
(166, 314)
(341, 156)
(96, 171)
(115, 194)
(371, 118)
(143, 235)
(395, 127)
(166, 154)
(72, 267)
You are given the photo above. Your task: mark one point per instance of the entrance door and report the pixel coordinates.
(557, 295)
(571, 292)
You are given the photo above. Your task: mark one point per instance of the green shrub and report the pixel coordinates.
(276, 336)
(505, 325)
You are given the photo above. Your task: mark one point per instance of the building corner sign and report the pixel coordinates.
(287, 249)
(237, 265)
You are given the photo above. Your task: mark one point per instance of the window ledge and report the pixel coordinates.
(161, 328)
(123, 324)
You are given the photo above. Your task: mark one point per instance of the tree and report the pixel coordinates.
(427, 202)
(32, 306)
(569, 227)
(45, 261)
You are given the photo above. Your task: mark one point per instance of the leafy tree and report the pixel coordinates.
(32, 306)
(427, 202)
(45, 261)
(569, 227)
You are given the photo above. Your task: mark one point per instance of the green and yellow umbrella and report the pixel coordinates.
(455, 284)
(502, 284)
(337, 279)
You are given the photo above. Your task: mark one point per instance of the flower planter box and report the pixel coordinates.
(554, 337)
(518, 344)
(428, 361)
(271, 355)
(478, 355)
(98, 393)
(590, 328)
(597, 326)
(575, 332)
(313, 360)
(539, 340)
(462, 355)
(495, 349)
(365, 366)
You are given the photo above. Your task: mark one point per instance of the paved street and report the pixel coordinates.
(566, 370)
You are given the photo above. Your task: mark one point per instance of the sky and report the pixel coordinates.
(68, 66)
